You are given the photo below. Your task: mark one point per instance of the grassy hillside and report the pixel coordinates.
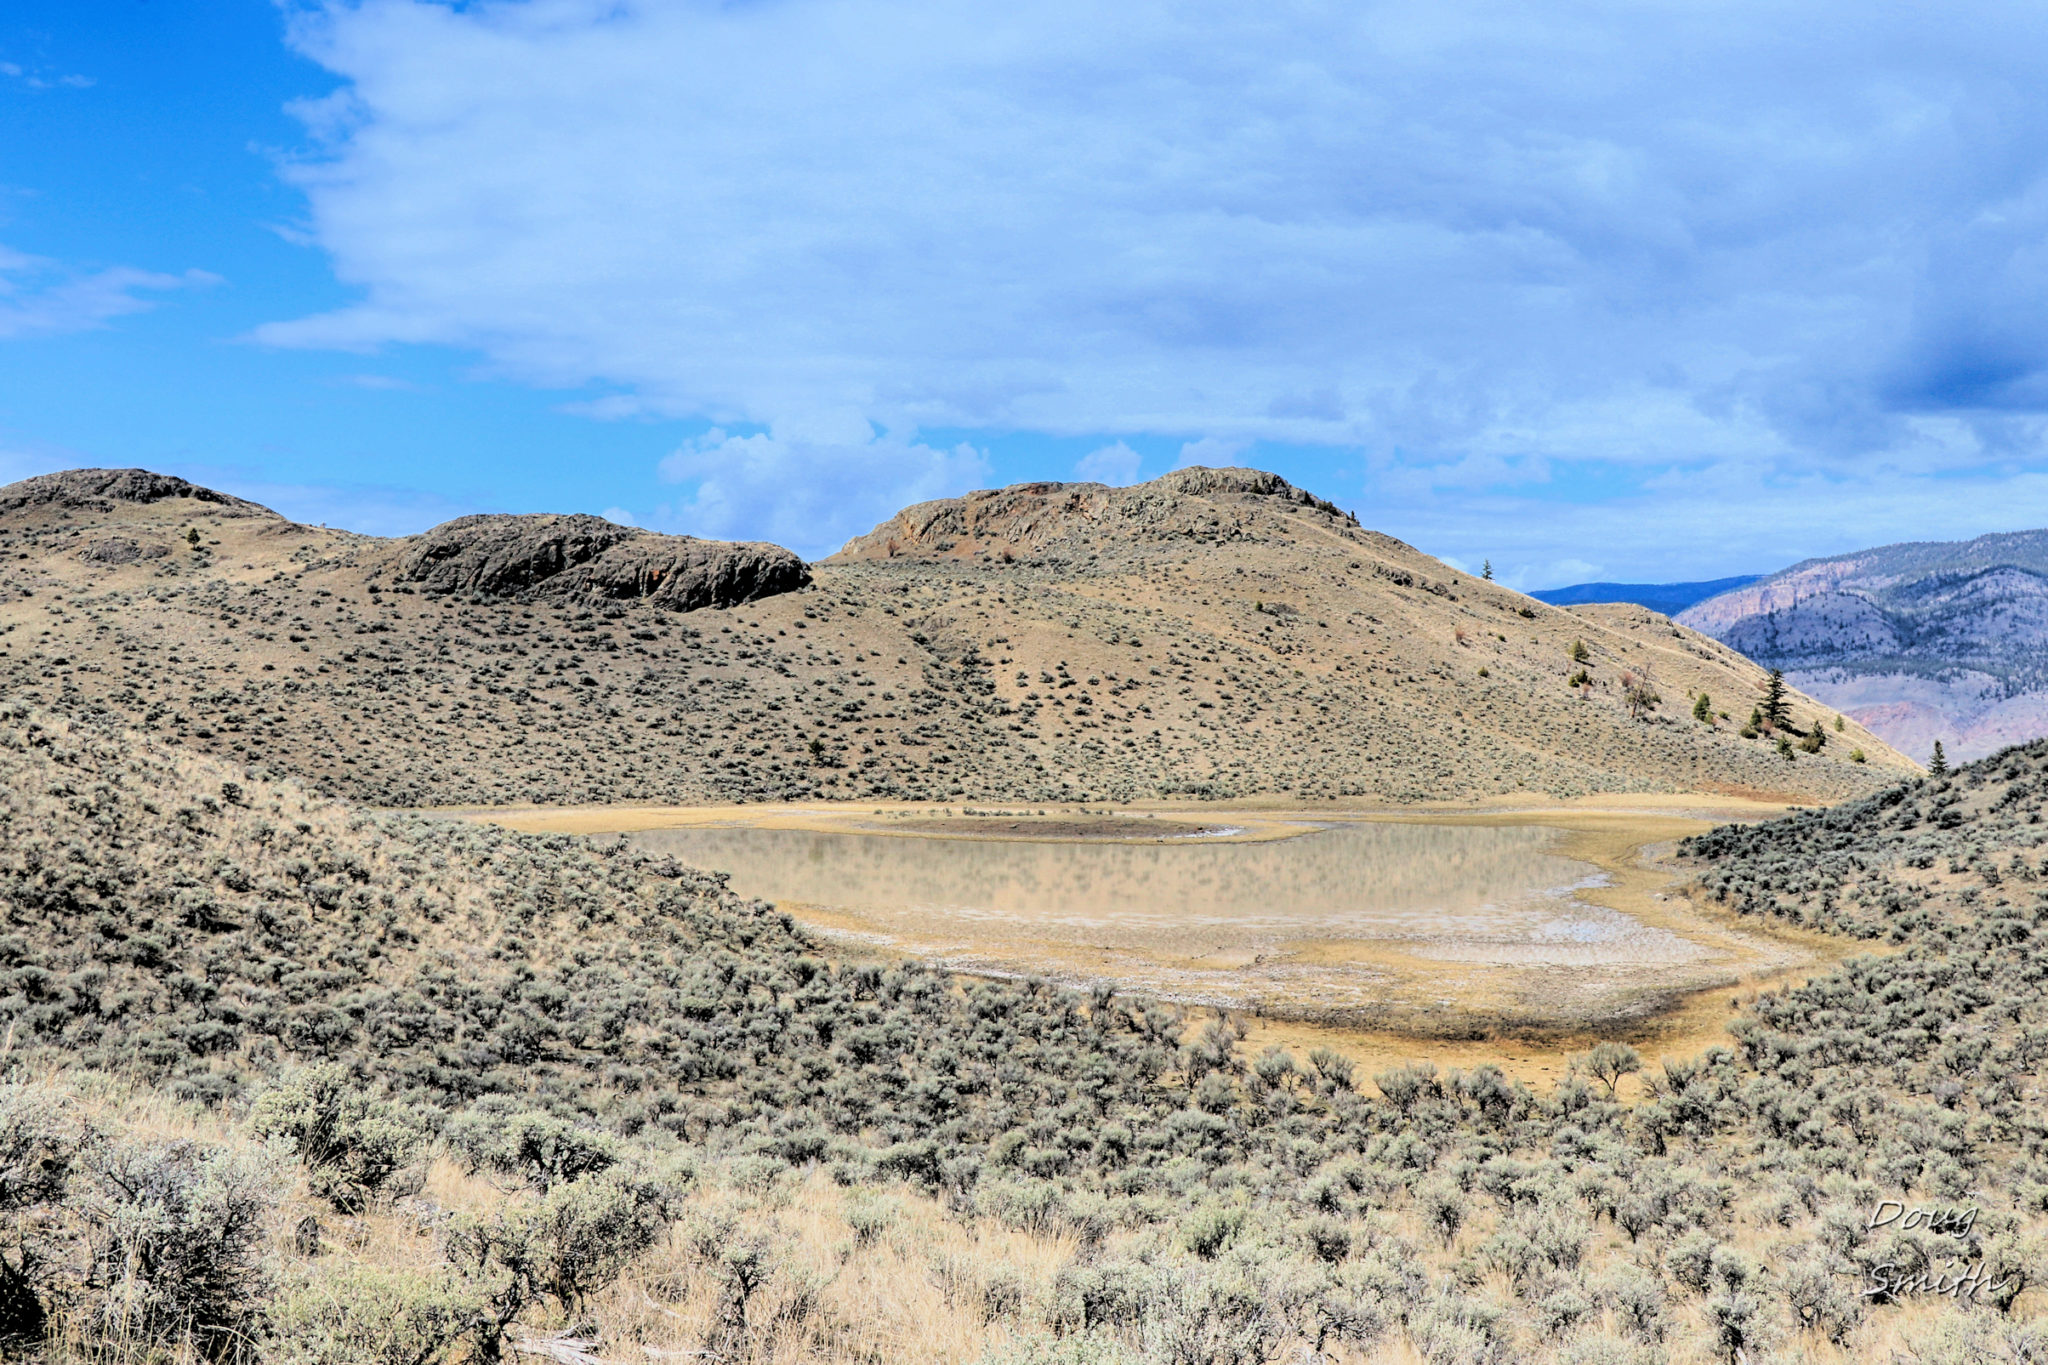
(1215, 633)
(533, 1092)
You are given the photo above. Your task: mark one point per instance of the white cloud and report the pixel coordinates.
(619, 515)
(40, 297)
(1474, 241)
(1116, 465)
(811, 486)
(35, 81)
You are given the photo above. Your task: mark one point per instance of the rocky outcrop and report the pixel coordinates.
(1033, 518)
(579, 556)
(504, 556)
(117, 550)
(98, 490)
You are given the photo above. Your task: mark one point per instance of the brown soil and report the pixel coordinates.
(1206, 637)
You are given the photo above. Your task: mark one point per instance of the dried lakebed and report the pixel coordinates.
(1433, 925)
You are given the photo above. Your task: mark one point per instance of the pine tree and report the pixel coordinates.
(1774, 708)
(1579, 652)
(1486, 570)
(1703, 710)
(1938, 765)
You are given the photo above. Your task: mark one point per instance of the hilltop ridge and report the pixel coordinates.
(1211, 634)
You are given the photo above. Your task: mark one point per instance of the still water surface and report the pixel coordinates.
(1311, 913)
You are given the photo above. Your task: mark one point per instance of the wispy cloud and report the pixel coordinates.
(1484, 240)
(41, 297)
(35, 80)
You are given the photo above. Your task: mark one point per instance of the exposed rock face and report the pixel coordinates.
(584, 556)
(123, 550)
(505, 555)
(1030, 518)
(1920, 642)
(99, 489)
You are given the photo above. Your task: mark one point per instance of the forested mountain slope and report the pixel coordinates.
(1921, 642)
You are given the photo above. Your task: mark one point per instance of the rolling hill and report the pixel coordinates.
(1214, 633)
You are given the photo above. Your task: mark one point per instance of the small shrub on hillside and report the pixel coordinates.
(42, 1140)
(542, 1150)
(571, 1245)
(370, 1315)
(1082, 1350)
(1212, 1228)
(352, 1145)
(174, 1232)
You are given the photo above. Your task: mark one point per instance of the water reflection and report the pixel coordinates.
(1449, 892)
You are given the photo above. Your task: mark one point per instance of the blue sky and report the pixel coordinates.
(1594, 290)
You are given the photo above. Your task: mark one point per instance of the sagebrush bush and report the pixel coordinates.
(353, 1145)
(371, 1315)
(497, 1135)
(174, 1231)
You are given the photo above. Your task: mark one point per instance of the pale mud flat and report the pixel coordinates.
(1428, 927)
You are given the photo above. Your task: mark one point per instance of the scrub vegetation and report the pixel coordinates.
(1211, 635)
(294, 1080)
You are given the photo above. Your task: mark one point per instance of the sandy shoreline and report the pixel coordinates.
(1457, 1013)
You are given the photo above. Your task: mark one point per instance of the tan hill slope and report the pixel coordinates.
(1213, 633)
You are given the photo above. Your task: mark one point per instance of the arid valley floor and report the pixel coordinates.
(364, 1007)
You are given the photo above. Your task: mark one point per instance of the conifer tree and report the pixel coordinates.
(1774, 708)
(1703, 710)
(1486, 570)
(1938, 765)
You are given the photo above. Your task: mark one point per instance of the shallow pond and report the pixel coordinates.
(1313, 918)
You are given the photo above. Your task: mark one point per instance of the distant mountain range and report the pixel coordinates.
(1669, 598)
(1920, 642)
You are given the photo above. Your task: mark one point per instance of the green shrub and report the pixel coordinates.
(369, 1315)
(1608, 1062)
(1690, 1261)
(538, 1148)
(869, 1217)
(42, 1141)
(1037, 1349)
(1212, 1228)
(572, 1244)
(352, 1145)
(174, 1232)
